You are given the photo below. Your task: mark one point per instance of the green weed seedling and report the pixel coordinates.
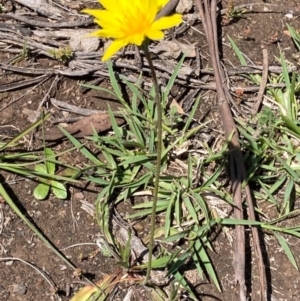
(63, 55)
(295, 36)
(21, 163)
(232, 13)
(42, 190)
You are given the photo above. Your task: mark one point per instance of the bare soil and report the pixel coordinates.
(66, 224)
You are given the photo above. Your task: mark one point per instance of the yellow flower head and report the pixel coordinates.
(130, 22)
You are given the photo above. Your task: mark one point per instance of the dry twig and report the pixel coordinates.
(207, 11)
(263, 84)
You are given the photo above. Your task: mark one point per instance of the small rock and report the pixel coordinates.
(167, 49)
(173, 49)
(186, 71)
(82, 42)
(79, 195)
(184, 6)
(19, 288)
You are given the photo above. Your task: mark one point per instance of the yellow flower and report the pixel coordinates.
(130, 22)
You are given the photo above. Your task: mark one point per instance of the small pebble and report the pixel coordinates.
(184, 6)
(19, 288)
(79, 195)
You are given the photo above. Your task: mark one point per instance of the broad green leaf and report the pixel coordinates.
(50, 166)
(59, 190)
(41, 168)
(41, 191)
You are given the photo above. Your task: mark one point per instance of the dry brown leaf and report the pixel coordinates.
(84, 127)
(286, 32)
(175, 104)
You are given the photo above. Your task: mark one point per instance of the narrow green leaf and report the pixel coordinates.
(190, 117)
(81, 147)
(205, 260)
(185, 286)
(25, 132)
(161, 262)
(286, 249)
(171, 81)
(137, 159)
(178, 209)
(169, 217)
(113, 81)
(289, 199)
(190, 207)
(237, 52)
(145, 212)
(176, 237)
(178, 263)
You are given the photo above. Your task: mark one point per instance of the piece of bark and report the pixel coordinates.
(84, 127)
(44, 8)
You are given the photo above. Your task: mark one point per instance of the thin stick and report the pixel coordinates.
(237, 169)
(167, 9)
(26, 93)
(238, 172)
(263, 84)
(45, 98)
(50, 282)
(68, 24)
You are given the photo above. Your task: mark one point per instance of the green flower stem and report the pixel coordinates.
(158, 160)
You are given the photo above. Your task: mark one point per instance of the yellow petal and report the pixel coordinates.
(130, 22)
(113, 48)
(108, 19)
(136, 39)
(167, 22)
(106, 33)
(155, 35)
(113, 5)
(151, 10)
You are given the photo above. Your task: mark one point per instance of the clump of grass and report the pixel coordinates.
(295, 35)
(126, 168)
(271, 142)
(128, 165)
(62, 54)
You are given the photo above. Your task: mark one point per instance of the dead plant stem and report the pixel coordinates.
(207, 10)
